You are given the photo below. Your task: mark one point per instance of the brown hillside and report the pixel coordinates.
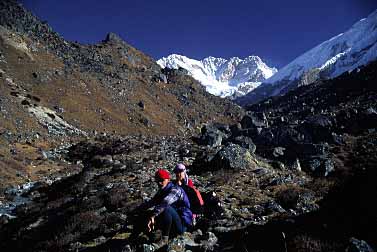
(52, 90)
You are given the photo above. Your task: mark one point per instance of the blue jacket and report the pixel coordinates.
(175, 196)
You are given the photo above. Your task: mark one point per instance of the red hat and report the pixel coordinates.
(162, 174)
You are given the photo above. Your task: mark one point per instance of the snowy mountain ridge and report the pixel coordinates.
(345, 52)
(221, 77)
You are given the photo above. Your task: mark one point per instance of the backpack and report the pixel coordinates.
(195, 198)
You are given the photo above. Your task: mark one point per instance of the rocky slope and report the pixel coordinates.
(295, 174)
(344, 52)
(226, 78)
(53, 90)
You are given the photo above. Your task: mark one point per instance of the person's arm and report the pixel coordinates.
(169, 199)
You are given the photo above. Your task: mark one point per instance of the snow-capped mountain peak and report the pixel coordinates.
(341, 53)
(222, 77)
(344, 52)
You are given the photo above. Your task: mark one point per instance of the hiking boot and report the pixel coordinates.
(163, 242)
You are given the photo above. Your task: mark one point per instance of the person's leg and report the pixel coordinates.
(177, 225)
(168, 221)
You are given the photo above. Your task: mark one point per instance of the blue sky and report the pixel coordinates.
(277, 31)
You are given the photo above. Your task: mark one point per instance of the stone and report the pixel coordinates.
(99, 240)
(337, 139)
(296, 166)
(222, 127)
(146, 122)
(233, 157)
(286, 136)
(320, 166)
(245, 142)
(254, 120)
(288, 198)
(148, 248)
(318, 128)
(99, 161)
(113, 38)
(260, 171)
(141, 105)
(208, 241)
(278, 151)
(211, 136)
(235, 129)
(272, 207)
(356, 245)
(163, 78)
(265, 137)
(179, 244)
(309, 149)
(127, 248)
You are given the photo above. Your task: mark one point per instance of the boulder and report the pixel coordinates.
(113, 38)
(233, 157)
(254, 120)
(315, 158)
(203, 161)
(211, 136)
(235, 129)
(278, 151)
(100, 161)
(266, 137)
(355, 121)
(174, 72)
(271, 207)
(356, 245)
(141, 105)
(368, 119)
(309, 149)
(245, 142)
(318, 128)
(182, 243)
(320, 166)
(196, 241)
(296, 165)
(160, 77)
(222, 127)
(287, 136)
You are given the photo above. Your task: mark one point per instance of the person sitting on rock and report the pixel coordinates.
(170, 208)
(195, 198)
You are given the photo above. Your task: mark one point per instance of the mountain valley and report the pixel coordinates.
(84, 128)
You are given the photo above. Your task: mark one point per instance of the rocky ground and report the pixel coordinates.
(287, 177)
